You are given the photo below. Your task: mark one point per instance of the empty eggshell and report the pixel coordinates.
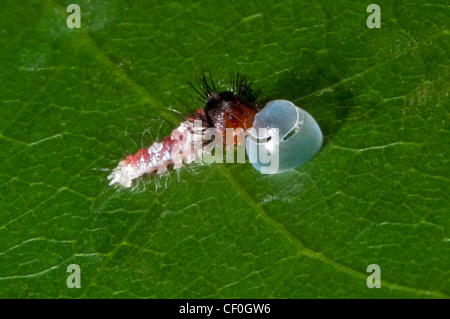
(283, 138)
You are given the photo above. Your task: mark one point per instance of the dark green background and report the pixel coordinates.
(72, 101)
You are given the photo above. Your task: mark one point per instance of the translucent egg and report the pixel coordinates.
(283, 138)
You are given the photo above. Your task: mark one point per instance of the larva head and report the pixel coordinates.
(235, 108)
(224, 110)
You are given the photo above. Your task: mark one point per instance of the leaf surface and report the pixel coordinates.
(74, 100)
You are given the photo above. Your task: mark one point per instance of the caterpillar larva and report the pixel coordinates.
(234, 108)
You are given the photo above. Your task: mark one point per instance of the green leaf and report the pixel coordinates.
(73, 101)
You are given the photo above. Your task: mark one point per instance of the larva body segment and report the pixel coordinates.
(178, 148)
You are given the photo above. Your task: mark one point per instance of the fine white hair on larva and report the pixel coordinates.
(178, 149)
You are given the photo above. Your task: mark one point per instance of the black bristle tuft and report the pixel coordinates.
(242, 88)
(205, 86)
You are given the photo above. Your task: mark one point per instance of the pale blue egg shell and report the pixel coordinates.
(300, 138)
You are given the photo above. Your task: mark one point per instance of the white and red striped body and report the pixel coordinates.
(181, 147)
